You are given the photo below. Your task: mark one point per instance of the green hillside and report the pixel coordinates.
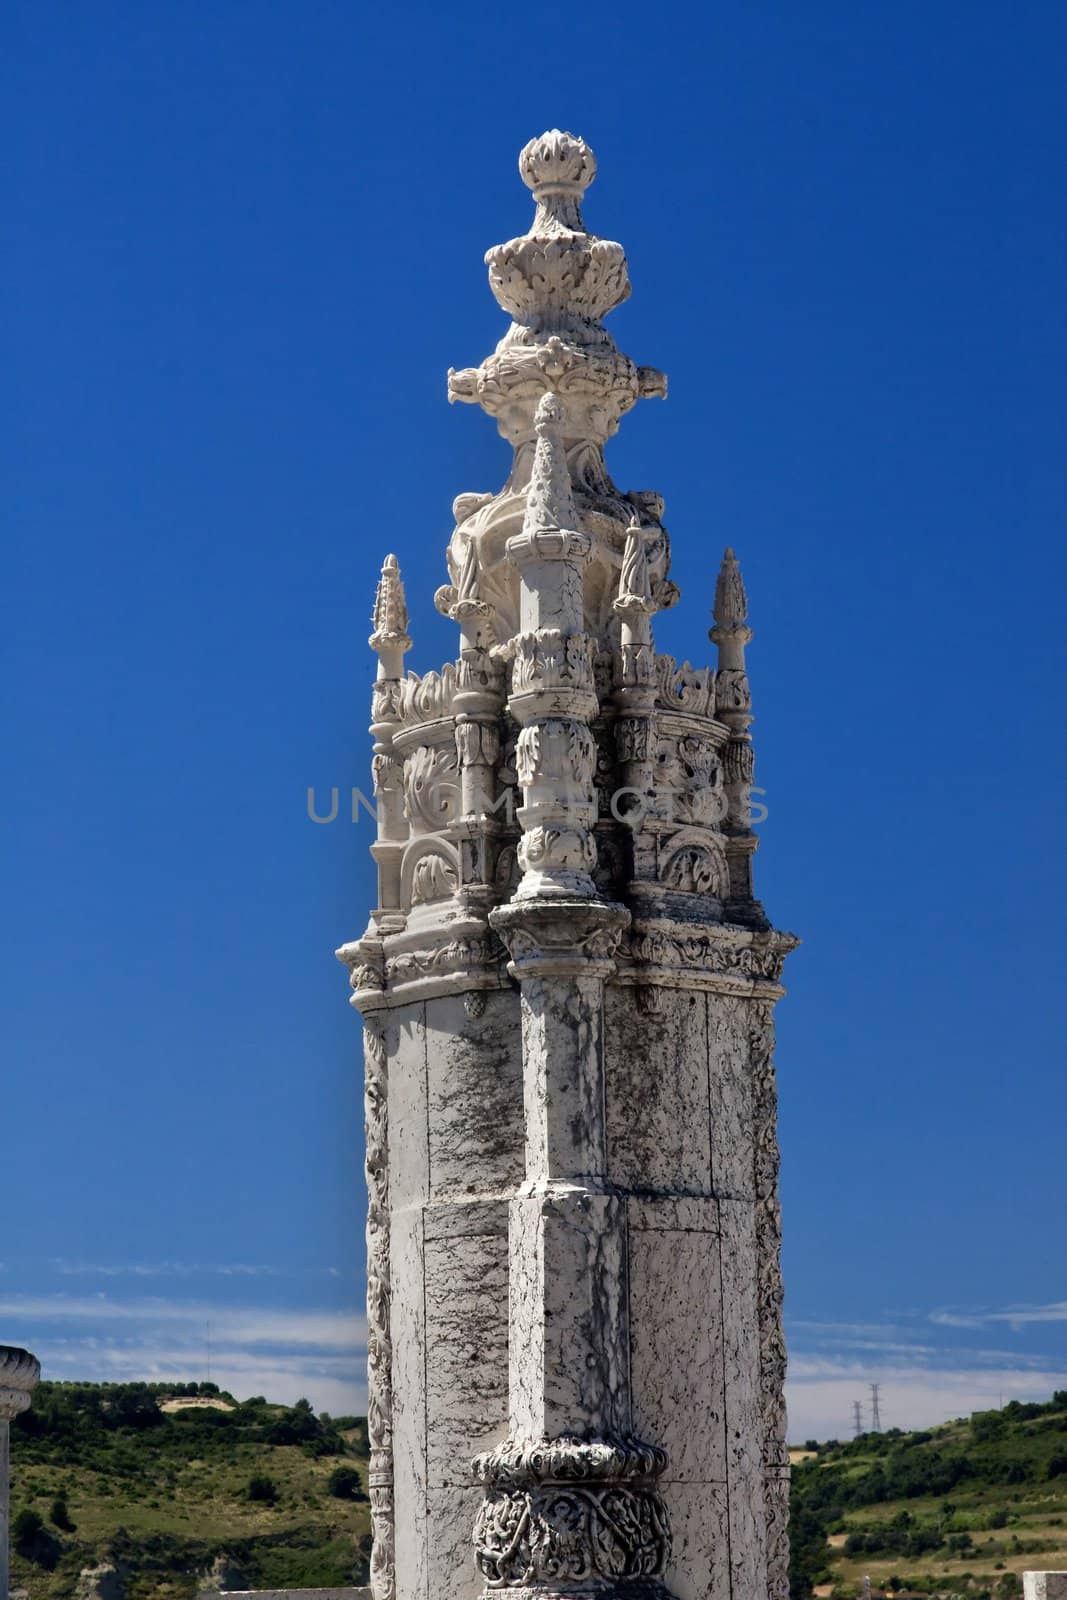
(163, 1480)
(961, 1509)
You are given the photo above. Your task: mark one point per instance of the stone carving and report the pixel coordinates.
(431, 696)
(770, 1298)
(431, 791)
(477, 743)
(685, 688)
(564, 824)
(20, 1373)
(550, 660)
(432, 878)
(390, 616)
(569, 1511)
(664, 947)
(379, 1339)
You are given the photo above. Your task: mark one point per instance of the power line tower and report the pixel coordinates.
(857, 1414)
(876, 1420)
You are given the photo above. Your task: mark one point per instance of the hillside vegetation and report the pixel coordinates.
(961, 1509)
(102, 1474)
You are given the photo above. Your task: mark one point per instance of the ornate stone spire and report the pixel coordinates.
(557, 282)
(390, 640)
(567, 990)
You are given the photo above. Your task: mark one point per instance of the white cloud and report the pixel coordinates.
(237, 1325)
(821, 1391)
(161, 1269)
(1016, 1317)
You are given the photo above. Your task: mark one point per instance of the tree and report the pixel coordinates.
(345, 1483)
(60, 1516)
(24, 1530)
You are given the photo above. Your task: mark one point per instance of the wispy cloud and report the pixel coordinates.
(237, 1325)
(1015, 1317)
(161, 1269)
(281, 1352)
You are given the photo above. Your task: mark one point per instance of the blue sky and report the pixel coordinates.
(244, 245)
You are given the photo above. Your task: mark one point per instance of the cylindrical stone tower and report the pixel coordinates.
(576, 1353)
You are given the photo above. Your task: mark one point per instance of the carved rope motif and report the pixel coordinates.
(379, 1341)
(769, 1300)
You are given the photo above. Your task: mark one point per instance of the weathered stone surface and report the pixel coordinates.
(567, 984)
(1045, 1586)
(658, 1107)
(676, 1356)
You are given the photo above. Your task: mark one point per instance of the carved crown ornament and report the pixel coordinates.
(559, 757)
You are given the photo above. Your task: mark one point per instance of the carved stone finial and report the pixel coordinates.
(558, 167)
(390, 616)
(731, 602)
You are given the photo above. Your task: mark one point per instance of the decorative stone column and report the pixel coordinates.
(574, 1286)
(19, 1375)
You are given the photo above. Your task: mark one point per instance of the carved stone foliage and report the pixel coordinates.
(457, 955)
(571, 1511)
(379, 1341)
(689, 768)
(696, 864)
(432, 878)
(738, 762)
(686, 688)
(558, 750)
(431, 789)
(732, 692)
(560, 1534)
(549, 659)
(703, 952)
(694, 870)
(477, 743)
(422, 699)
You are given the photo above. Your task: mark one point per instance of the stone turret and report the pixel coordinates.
(576, 1354)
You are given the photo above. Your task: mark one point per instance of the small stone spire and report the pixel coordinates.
(390, 638)
(731, 601)
(550, 504)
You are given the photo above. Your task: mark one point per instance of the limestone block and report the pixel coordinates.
(569, 1357)
(732, 1169)
(474, 1096)
(658, 1111)
(407, 1317)
(699, 1568)
(466, 1263)
(451, 1514)
(409, 1161)
(676, 1353)
(744, 1433)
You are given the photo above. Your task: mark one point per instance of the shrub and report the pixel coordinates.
(263, 1489)
(24, 1530)
(60, 1516)
(344, 1483)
